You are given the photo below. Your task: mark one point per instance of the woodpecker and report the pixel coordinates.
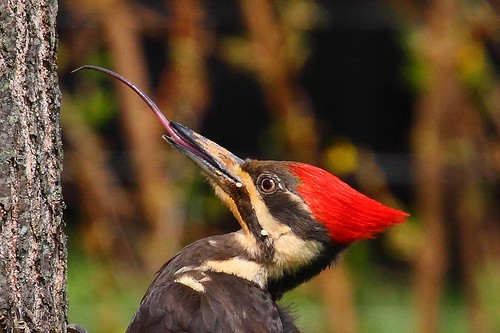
(295, 220)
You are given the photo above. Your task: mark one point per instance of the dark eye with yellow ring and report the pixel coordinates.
(267, 185)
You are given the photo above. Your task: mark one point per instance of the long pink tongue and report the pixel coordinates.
(161, 117)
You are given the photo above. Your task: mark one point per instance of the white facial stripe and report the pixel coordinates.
(242, 268)
(291, 252)
(265, 219)
(298, 200)
(267, 222)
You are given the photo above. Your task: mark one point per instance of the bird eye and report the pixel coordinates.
(268, 185)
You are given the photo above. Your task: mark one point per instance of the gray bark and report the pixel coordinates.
(32, 241)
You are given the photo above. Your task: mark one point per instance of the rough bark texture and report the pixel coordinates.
(32, 242)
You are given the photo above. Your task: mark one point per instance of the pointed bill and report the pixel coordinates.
(218, 163)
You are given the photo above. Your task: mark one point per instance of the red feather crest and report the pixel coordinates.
(347, 214)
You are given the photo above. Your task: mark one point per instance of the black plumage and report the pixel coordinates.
(207, 301)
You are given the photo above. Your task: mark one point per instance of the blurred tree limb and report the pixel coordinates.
(449, 150)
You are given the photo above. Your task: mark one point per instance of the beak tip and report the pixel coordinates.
(216, 161)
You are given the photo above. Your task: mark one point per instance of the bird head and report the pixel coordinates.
(294, 217)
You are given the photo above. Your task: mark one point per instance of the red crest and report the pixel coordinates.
(347, 214)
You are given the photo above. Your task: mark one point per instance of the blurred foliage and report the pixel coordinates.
(341, 158)
(96, 101)
(98, 106)
(472, 65)
(101, 300)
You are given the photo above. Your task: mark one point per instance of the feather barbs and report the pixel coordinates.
(347, 214)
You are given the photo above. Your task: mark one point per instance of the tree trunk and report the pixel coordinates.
(32, 241)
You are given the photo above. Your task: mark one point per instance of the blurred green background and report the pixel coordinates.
(400, 99)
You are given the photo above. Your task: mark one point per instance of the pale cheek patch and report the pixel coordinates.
(292, 253)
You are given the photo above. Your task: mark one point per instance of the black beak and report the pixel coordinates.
(218, 163)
